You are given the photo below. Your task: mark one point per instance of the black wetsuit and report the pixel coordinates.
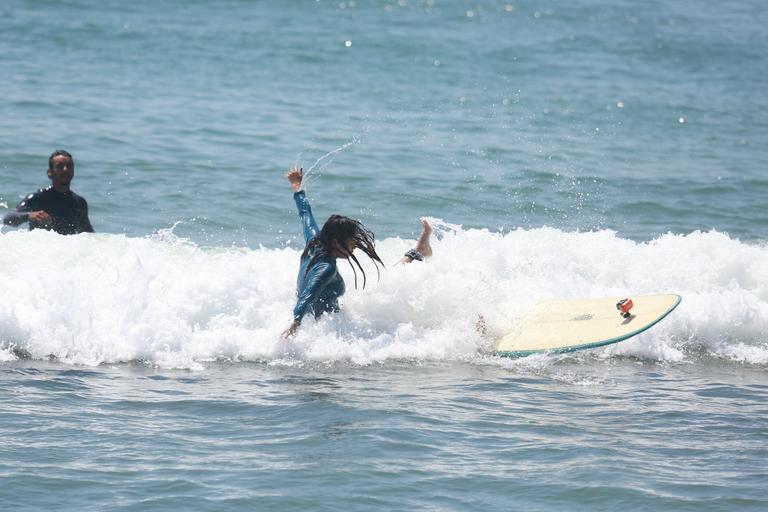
(68, 211)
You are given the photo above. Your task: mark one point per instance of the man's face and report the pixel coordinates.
(62, 170)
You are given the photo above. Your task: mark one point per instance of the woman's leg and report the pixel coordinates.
(423, 248)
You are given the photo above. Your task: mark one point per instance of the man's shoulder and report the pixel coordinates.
(77, 197)
(34, 196)
(39, 192)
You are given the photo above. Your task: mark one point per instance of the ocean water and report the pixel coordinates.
(560, 149)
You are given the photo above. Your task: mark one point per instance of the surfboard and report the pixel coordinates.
(557, 326)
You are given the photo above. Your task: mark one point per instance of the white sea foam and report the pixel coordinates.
(90, 299)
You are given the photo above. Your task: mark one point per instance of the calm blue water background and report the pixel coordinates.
(642, 119)
(189, 111)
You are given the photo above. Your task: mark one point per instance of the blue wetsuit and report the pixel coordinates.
(318, 290)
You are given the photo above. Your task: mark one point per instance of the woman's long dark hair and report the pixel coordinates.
(341, 229)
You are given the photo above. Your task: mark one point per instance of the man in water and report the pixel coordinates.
(57, 207)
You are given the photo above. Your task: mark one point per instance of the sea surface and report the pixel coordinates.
(560, 150)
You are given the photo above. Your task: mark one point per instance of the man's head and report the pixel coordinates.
(61, 168)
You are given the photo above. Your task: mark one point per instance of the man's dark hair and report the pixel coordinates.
(58, 152)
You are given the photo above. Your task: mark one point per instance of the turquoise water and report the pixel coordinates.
(575, 435)
(561, 150)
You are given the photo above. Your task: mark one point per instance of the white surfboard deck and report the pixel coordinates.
(566, 325)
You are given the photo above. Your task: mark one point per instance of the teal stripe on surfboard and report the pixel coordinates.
(595, 344)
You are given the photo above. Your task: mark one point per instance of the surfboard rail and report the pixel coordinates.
(538, 317)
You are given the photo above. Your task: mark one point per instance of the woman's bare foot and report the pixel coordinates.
(423, 244)
(423, 248)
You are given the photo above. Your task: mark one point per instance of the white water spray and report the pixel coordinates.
(98, 298)
(327, 159)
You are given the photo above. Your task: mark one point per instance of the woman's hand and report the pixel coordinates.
(295, 176)
(291, 330)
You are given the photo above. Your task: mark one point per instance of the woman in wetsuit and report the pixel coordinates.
(319, 284)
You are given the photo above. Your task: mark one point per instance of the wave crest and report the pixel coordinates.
(92, 299)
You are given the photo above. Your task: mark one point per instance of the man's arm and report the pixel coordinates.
(27, 210)
(85, 222)
(15, 218)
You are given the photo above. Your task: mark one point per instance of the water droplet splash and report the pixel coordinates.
(326, 159)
